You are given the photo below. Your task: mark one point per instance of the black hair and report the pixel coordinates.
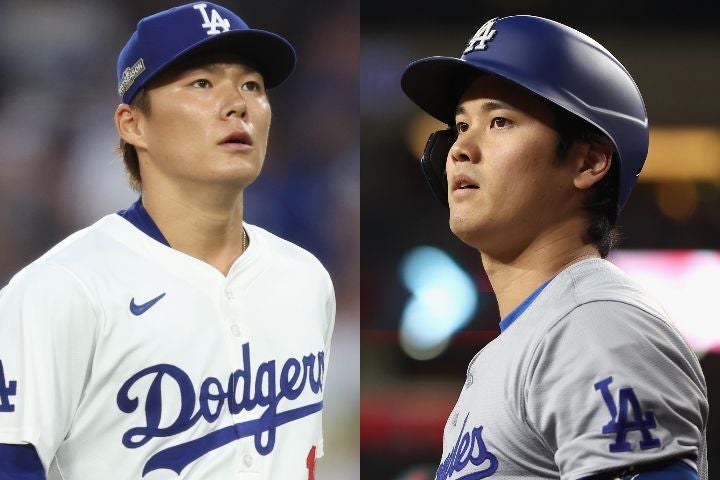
(601, 203)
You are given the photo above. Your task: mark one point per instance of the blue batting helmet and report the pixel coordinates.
(556, 62)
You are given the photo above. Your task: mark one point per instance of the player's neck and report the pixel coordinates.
(515, 276)
(206, 227)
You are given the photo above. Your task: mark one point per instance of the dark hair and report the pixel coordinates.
(141, 102)
(601, 203)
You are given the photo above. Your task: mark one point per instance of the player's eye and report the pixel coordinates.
(202, 83)
(252, 86)
(499, 122)
(461, 127)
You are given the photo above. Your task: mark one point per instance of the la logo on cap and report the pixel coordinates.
(481, 37)
(215, 21)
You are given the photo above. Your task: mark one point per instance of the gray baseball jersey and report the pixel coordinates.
(588, 375)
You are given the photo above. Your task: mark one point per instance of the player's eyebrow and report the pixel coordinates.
(488, 106)
(219, 65)
(215, 65)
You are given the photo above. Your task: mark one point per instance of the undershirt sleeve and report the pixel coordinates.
(20, 462)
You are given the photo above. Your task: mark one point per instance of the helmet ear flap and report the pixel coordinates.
(433, 162)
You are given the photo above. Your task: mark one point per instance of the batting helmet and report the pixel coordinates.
(556, 62)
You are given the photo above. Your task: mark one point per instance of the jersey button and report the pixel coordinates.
(248, 460)
(229, 295)
(235, 330)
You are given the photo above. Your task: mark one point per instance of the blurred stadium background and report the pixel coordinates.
(426, 302)
(59, 171)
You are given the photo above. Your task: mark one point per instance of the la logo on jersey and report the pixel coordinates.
(245, 389)
(469, 449)
(619, 423)
(6, 391)
(481, 37)
(214, 21)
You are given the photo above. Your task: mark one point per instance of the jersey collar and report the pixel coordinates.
(520, 309)
(138, 216)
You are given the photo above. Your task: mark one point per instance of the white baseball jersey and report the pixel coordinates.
(122, 358)
(588, 375)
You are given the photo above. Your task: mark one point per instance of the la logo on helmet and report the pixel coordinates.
(215, 21)
(483, 35)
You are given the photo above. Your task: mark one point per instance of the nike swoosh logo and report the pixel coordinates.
(140, 309)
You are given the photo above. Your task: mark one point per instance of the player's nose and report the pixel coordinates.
(234, 104)
(464, 150)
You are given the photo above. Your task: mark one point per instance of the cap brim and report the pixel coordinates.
(436, 84)
(271, 54)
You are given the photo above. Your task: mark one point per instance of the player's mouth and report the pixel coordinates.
(238, 140)
(462, 183)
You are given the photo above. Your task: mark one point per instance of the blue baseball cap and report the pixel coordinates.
(165, 37)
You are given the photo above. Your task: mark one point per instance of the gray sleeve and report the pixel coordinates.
(611, 386)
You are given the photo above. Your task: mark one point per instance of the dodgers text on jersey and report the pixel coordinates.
(206, 403)
(469, 449)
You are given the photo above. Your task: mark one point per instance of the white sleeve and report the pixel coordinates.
(330, 325)
(612, 386)
(47, 332)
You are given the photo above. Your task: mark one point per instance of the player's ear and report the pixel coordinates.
(128, 122)
(593, 163)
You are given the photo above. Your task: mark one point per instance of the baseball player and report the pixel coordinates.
(173, 340)
(588, 377)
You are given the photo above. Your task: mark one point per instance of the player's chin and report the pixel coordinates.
(465, 227)
(235, 178)
(238, 169)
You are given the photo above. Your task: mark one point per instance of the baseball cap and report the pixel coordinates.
(165, 37)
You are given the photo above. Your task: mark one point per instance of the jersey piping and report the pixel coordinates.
(520, 309)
